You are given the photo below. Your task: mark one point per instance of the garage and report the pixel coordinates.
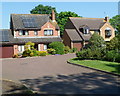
(6, 51)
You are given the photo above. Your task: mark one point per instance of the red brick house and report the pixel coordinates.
(37, 28)
(78, 31)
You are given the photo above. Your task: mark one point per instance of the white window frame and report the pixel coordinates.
(45, 47)
(21, 48)
(48, 32)
(21, 32)
(86, 31)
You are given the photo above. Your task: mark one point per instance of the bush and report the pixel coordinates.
(90, 54)
(112, 56)
(35, 52)
(58, 46)
(73, 50)
(42, 53)
(82, 54)
(27, 53)
(51, 51)
(66, 49)
(29, 45)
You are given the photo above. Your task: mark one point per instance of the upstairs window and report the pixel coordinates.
(23, 32)
(86, 31)
(35, 32)
(107, 32)
(48, 32)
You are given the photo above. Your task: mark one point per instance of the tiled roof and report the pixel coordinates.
(92, 23)
(74, 36)
(40, 20)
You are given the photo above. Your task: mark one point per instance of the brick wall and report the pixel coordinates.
(66, 40)
(77, 45)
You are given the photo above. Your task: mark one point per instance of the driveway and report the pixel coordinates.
(53, 75)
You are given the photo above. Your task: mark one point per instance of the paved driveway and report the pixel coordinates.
(52, 75)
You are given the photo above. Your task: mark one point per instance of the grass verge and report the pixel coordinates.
(107, 66)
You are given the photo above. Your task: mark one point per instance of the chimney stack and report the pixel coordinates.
(53, 16)
(107, 19)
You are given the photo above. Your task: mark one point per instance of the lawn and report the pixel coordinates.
(113, 67)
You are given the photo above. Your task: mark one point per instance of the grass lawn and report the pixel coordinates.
(97, 64)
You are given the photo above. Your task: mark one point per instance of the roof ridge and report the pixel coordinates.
(85, 18)
(29, 14)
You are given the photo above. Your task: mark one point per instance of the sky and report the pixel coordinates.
(84, 9)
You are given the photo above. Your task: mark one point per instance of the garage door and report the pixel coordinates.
(6, 52)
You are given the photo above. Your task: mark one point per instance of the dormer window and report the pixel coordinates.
(107, 32)
(86, 31)
(23, 32)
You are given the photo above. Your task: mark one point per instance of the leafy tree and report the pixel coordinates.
(62, 18)
(114, 44)
(96, 41)
(115, 22)
(41, 9)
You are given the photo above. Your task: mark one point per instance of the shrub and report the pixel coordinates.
(113, 44)
(51, 51)
(90, 54)
(66, 49)
(27, 53)
(73, 50)
(58, 46)
(15, 56)
(112, 56)
(35, 52)
(81, 54)
(42, 53)
(29, 45)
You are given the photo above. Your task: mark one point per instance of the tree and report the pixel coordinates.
(97, 46)
(115, 22)
(114, 44)
(62, 18)
(41, 9)
(96, 41)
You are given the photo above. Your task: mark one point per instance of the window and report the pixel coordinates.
(48, 32)
(21, 48)
(107, 32)
(23, 32)
(86, 31)
(35, 32)
(20, 32)
(45, 47)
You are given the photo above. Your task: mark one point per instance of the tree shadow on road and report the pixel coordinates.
(84, 83)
